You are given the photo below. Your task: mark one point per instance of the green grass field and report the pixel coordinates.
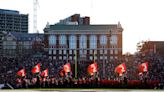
(81, 90)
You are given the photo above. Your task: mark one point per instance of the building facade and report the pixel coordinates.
(84, 44)
(17, 44)
(89, 42)
(11, 20)
(152, 47)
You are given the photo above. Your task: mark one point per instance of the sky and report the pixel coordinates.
(142, 20)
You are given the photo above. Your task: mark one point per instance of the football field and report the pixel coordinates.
(82, 90)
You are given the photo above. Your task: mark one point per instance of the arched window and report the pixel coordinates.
(72, 42)
(83, 41)
(83, 44)
(103, 40)
(52, 40)
(113, 40)
(62, 40)
(93, 42)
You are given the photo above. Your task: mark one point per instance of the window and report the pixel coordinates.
(103, 39)
(83, 52)
(95, 51)
(105, 51)
(101, 57)
(70, 51)
(64, 51)
(65, 57)
(70, 57)
(111, 57)
(116, 51)
(91, 52)
(111, 51)
(72, 42)
(91, 58)
(50, 52)
(54, 57)
(60, 51)
(83, 41)
(52, 40)
(106, 57)
(93, 42)
(60, 57)
(54, 51)
(26, 45)
(83, 44)
(101, 51)
(9, 45)
(62, 40)
(50, 57)
(113, 40)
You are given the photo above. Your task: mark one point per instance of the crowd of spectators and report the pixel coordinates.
(10, 66)
(92, 82)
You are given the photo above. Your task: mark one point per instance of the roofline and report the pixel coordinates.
(86, 25)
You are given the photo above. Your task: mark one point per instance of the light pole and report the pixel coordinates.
(75, 58)
(67, 53)
(103, 64)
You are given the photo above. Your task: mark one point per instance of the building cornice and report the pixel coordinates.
(84, 32)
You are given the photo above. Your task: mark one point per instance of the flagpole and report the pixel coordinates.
(93, 56)
(67, 57)
(75, 64)
(67, 52)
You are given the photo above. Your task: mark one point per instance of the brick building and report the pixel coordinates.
(149, 47)
(104, 41)
(74, 39)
